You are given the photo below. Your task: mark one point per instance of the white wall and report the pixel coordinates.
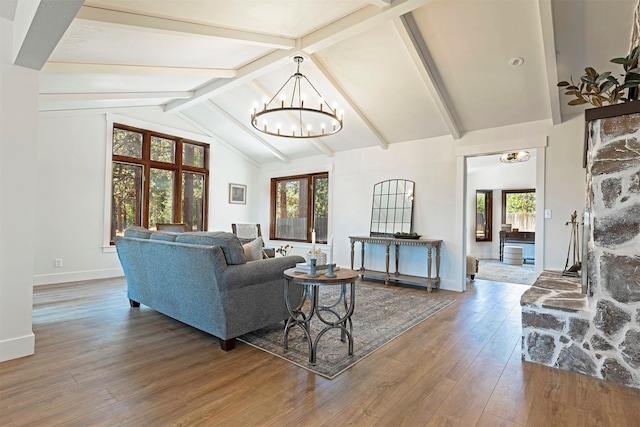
(353, 174)
(432, 165)
(70, 216)
(18, 138)
(70, 219)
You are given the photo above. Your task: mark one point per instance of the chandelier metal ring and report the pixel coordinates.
(304, 122)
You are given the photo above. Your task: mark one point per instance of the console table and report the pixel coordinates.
(430, 244)
(525, 237)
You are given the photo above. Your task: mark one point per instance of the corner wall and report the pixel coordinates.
(18, 139)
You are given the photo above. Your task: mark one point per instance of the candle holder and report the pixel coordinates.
(330, 274)
(312, 269)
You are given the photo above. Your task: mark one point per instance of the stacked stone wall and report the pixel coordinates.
(613, 183)
(599, 334)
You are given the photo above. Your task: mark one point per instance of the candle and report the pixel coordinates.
(331, 251)
(313, 244)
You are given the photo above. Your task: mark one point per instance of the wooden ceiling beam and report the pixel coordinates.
(78, 67)
(380, 139)
(162, 24)
(38, 27)
(421, 56)
(355, 23)
(217, 109)
(110, 96)
(551, 65)
(247, 73)
(203, 127)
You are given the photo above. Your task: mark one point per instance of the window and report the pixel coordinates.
(519, 209)
(157, 179)
(299, 204)
(484, 213)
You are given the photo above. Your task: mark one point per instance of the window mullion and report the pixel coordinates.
(146, 156)
(177, 200)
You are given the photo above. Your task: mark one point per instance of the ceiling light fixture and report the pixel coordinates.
(517, 157)
(292, 119)
(516, 62)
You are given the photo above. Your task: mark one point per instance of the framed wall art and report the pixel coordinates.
(238, 194)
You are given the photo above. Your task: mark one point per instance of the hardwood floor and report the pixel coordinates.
(99, 362)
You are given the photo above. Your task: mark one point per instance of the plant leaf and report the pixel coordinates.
(621, 61)
(578, 101)
(606, 86)
(595, 100)
(563, 84)
(591, 73)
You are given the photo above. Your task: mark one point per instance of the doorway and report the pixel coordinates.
(478, 169)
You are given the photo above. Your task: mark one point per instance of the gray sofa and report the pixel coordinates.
(202, 279)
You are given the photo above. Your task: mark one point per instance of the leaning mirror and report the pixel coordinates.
(392, 207)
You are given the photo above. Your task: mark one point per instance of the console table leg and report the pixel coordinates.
(352, 253)
(429, 258)
(397, 258)
(386, 277)
(362, 255)
(438, 264)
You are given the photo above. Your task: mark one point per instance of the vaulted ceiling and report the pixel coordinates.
(401, 70)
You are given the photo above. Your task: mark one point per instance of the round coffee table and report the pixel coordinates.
(301, 316)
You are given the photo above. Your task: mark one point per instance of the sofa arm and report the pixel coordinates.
(253, 272)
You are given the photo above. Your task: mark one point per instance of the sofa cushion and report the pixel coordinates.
(253, 249)
(137, 232)
(167, 236)
(228, 242)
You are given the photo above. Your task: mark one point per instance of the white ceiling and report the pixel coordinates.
(401, 70)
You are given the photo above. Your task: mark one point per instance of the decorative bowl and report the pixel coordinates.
(407, 235)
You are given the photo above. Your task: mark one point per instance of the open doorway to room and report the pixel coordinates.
(501, 217)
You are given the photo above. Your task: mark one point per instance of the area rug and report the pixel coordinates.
(494, 270)
(380, 315)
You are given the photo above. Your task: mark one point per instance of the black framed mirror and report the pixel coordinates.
(392, 207)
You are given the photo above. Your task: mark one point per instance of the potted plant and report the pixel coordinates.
(601, 89)
(284, 249)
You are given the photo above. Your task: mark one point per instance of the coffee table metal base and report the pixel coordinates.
(298, 317)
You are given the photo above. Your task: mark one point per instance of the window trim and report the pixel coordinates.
(504, 201)
(157, 130)
(488, 206)
(310, 211)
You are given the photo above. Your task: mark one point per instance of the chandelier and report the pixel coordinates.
(290, 118)
(517, 157)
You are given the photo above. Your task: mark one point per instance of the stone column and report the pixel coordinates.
(613, 196)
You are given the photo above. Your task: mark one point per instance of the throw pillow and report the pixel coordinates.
(167, 236)
(137, 232)
(253, 249)
(228, 242)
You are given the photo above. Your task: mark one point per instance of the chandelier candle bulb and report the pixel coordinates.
(313, 244)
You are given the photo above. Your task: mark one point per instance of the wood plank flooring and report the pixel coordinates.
(99, 362)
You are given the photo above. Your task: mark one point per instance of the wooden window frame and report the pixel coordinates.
(310, 207)
(504, 200)
(177, 167)
(488, 205)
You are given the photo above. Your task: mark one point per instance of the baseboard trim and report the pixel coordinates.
(76, 276)
(15, 348)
